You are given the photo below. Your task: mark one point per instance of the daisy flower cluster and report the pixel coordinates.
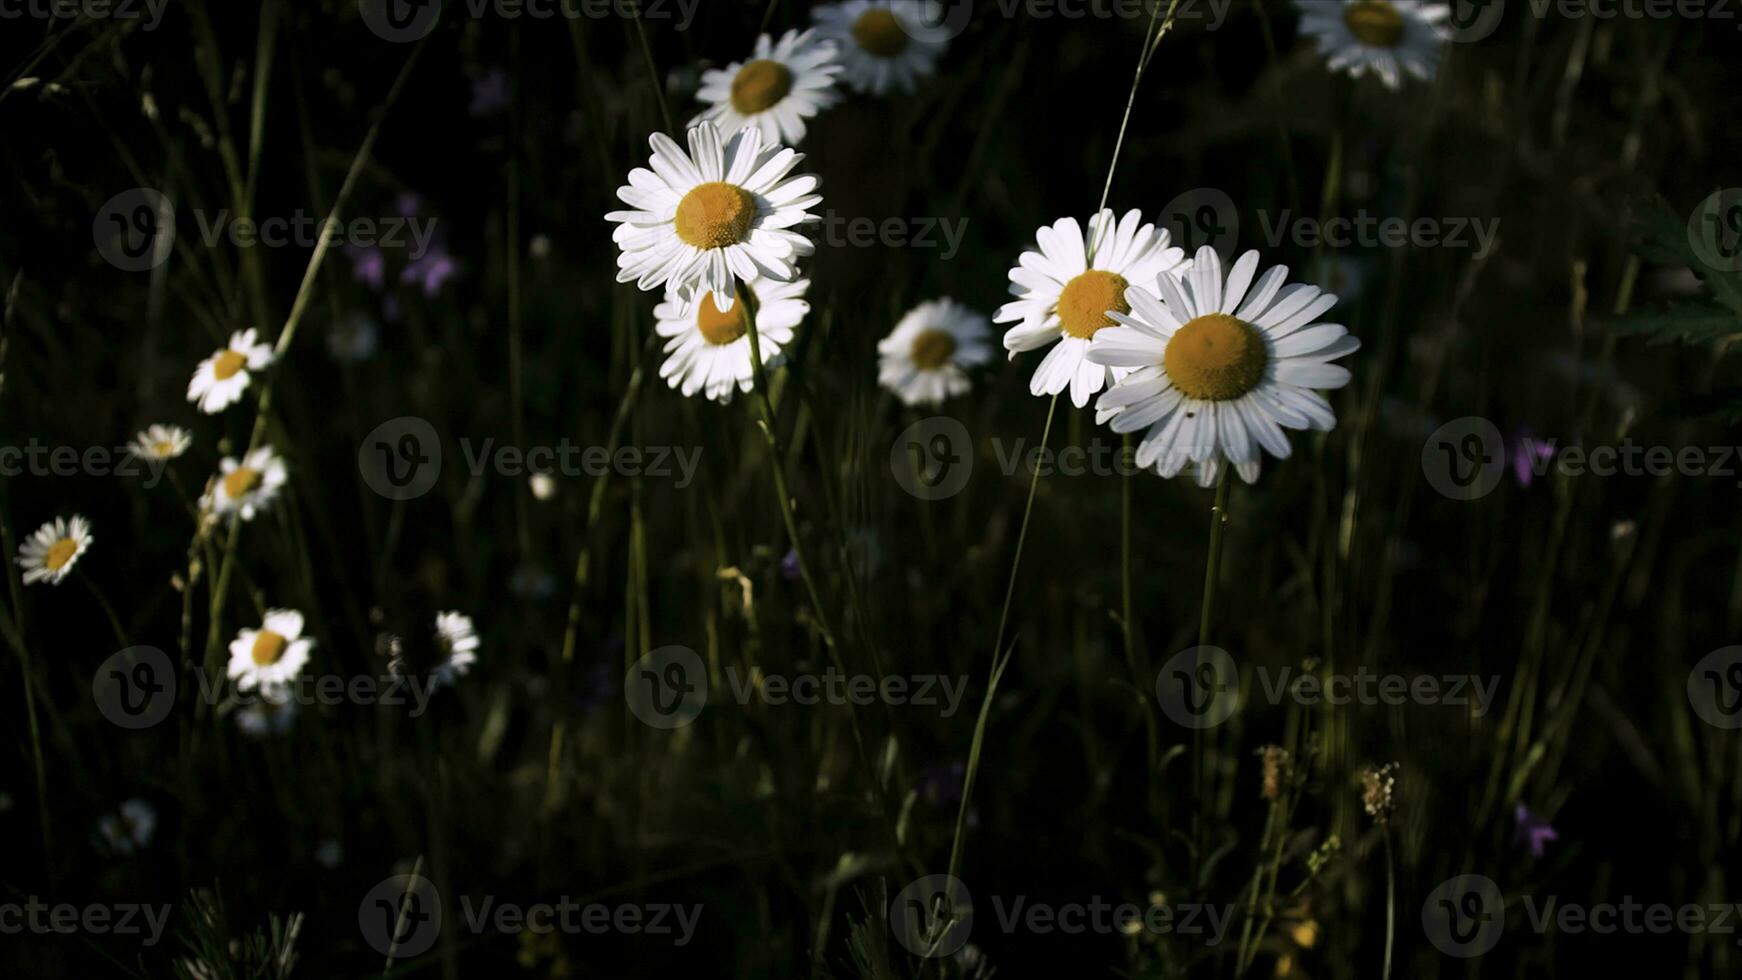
(717, 221)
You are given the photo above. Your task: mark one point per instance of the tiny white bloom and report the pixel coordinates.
(220, 379)
(885, 45)
(131, 829)
(271, 657)
(543, 486)
(782, 85)
(354, 337)
(710, 348)
(1219, 368)
(1064, 294)
(267, 716)
(161, 442)
(1386, 37)
(457, 639)
(52, 550)
(247, 486)
(924, 359)
(722, 213)
(329, 853)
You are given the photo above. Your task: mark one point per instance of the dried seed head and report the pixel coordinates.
(1275, 770)
(1378, 785)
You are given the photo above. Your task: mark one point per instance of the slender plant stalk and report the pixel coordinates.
(220, 587)
(1151, 39)
(1212, 568)
(1390, 905)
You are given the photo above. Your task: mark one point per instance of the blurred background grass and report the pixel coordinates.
(1590, 598)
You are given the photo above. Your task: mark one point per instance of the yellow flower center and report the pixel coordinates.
(759, 85)
(1374, 22)
(268, 647)
(932, 349)
(1086, 300)
(227, 364)
(715, 215)
(241, 480)
(1215, 358)
(59, 554)
(163, 448)
(878, 32)
(716, 327)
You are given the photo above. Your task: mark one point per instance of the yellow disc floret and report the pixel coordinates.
(715, 215)
(1374, 22)
(1215, 358)
(716, 327)
(759, 85)
(1086, 300)
(879, 32)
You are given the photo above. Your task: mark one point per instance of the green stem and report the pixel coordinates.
(1212, 567)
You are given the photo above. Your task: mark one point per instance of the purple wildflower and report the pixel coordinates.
(368, 266)
(430, 272)
(490, 93)
(1532, 830)
(1527, 453)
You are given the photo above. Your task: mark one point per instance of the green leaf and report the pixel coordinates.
(1694, 322)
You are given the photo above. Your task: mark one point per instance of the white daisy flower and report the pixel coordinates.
(271, 657)
(50, 552)
(248, 486)
(161, 442)
(131, 829)
(776, 91)
(721, 213)
(884, 45)
(1219, 369)
(1386, 37)
(710, 349)
(1063, 294)
(924, 359)
(220, 379)
(457, 639)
